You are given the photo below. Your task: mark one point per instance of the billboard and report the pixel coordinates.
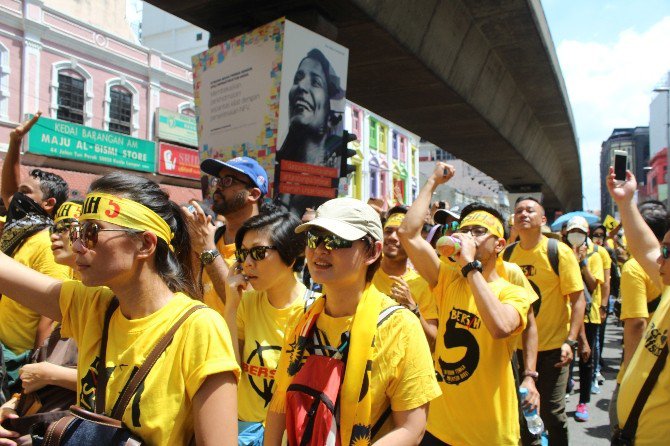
(276, 94)
(61, 139)
(178, 161)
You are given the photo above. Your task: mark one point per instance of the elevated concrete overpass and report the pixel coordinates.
(479, 79)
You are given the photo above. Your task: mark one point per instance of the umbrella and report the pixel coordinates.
(590, 219)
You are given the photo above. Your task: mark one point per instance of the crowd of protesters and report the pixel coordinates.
(351, 326)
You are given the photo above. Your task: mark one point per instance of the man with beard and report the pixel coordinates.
(241, 184)
(398, 280)
(32, 202)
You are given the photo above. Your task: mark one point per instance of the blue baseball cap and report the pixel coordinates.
(242, 164)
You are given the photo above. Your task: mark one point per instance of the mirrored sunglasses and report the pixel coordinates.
(665, 252)
(330, 241)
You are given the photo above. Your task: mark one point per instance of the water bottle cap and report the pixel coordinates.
(523, 391)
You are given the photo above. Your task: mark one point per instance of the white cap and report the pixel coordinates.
(578, 222)
(348, 218)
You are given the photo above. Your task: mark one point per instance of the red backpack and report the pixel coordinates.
(312, 398)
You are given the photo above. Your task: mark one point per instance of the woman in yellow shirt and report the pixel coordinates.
(267, 249)
(389, 377)
(132, 245)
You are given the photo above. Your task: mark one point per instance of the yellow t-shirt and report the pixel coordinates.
(637, 289)
(161, 412)
(262, 328)
(595, 264)
(553, 312)
(210, 296)
(512, 273)
(604, 255)
(418, 287)
(402, 371)
(18, 324)
(654, 422)
(479, 403)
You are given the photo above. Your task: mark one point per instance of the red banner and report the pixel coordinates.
(311, 169)
(311, 191)
(299, 178)
(178, 161)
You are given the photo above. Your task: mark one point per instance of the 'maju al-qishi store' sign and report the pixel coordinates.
(60, 139)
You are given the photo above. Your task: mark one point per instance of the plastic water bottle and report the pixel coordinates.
(448, 246)
(533, 420)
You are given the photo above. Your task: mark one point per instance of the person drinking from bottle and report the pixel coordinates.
(480, 315)
(132, 248)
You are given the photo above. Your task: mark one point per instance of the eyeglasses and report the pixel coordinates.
(476, 231)
(89, 233)
(598, 236)
(665, 252)
(227, 180)
(257, 253)
(330, 241)
(62, 227)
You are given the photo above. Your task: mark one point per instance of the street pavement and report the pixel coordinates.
(596, 431)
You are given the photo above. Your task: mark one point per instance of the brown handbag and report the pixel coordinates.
(49, 403)
(82, 427)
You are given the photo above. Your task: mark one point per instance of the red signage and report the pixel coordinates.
(178, 161)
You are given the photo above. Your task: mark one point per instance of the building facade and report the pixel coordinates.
(656, 187)
(633, 141)
(99, 92)
(386, 160)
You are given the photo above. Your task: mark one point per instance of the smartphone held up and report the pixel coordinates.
(620, 165)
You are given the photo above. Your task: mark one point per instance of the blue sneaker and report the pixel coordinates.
(595, 388)
(582, 412)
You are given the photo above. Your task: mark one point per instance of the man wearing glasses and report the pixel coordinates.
(241, 183)
(32, 202)
(480, 315)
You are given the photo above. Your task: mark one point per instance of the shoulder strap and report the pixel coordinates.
(552, 253)
(507, 253)
(101, 388)
(219, 233)
(652, 305)
(629, 429)
(141, 374)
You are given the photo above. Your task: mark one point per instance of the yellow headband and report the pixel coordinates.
(485, 220)
(125, 213)
(68, 211)
(394, 220)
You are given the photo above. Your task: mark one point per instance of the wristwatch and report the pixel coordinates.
(208, 256)
(470, 267)
(415, 310)
(573, 344)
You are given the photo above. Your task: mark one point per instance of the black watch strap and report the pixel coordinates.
(476, 265)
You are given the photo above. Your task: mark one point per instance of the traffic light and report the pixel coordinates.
(346, 153)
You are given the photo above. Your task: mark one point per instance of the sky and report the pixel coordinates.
(612, 55)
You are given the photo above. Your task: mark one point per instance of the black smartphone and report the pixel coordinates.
(620, 164)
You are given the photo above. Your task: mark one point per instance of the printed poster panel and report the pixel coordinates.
(237, 96)
(178, 161)
(311, 112)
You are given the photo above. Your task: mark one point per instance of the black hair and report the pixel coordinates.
(596, 227)
(175, 268)
(527, 197)
(399, 209)
(280, 226)
(477, 206)
(655, 215)
(52, 186)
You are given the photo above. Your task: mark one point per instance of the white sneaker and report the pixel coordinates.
(600, 379)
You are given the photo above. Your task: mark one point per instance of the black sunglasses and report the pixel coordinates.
(88, 232)
(257, 253)
(62, 227)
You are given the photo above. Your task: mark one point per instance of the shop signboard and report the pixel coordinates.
(176, 127)
(178, 161)
(61, 139)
